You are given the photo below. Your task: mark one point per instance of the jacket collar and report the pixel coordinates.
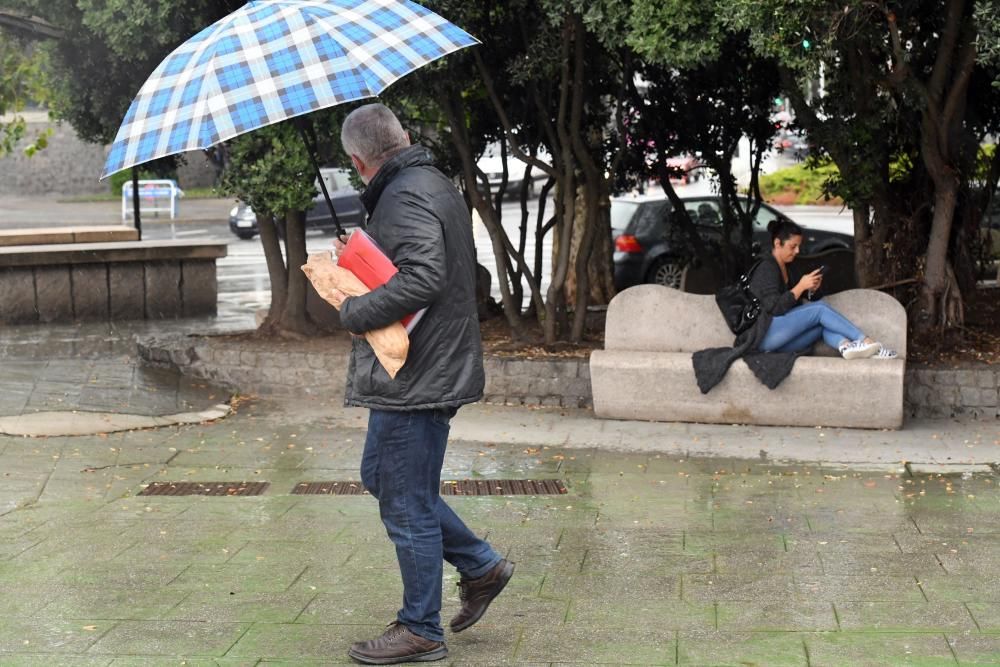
(412, 156)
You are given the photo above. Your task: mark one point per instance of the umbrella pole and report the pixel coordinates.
(135, 201)
(305, 130)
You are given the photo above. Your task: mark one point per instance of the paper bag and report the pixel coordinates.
(390, 344)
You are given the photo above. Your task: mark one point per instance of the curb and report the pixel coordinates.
(319, 366)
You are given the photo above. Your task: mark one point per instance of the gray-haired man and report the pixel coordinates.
(421, 221)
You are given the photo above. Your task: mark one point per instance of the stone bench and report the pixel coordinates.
(62, 235)
(645, 371)
(131, 280)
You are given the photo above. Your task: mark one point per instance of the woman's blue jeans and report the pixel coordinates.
(401, 467)
(802, 326)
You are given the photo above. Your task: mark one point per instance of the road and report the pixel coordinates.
(243, 281)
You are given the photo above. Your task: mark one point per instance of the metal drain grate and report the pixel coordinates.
(503, 487)
(462, 487)
(205, 489)
(329, 489)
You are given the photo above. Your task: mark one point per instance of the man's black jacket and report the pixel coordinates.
(420, 220)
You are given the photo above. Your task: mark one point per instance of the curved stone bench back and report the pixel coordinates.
(654, 318)
(876, 313)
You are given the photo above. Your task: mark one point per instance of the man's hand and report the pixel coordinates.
(337, 297)
(338, 247)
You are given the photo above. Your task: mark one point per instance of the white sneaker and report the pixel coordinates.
(858, 349)
(885, 353)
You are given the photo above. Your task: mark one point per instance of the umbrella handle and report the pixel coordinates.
(308, 135)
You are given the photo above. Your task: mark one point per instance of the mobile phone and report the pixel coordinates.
(822, 269)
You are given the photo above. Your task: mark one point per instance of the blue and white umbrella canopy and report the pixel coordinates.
(272, 60)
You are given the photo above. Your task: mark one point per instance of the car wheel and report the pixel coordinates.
(666, 271)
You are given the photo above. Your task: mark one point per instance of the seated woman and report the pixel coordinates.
(795, 327)
(785, 328)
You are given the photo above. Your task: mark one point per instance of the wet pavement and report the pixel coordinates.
(657, 554)
(650, 558)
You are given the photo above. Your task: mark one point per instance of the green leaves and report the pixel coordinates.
(676, 33)
(21, 82)
(270, 170)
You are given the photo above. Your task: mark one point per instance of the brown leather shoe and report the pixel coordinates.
(397, 644)
(477, 594)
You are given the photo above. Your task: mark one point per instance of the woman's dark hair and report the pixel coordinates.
(782, 229)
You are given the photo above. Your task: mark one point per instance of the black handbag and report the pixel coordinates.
(739, 306)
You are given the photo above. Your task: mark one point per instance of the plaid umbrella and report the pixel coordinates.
(272, 60)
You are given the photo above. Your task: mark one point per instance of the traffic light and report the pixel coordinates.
(806, 44)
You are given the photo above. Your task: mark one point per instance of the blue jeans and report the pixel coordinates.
(401, 467)
(802, 326)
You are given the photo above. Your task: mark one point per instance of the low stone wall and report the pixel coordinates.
(546, 382)
(108, 281)
(968, 392)
(320, 364)
(285, 368)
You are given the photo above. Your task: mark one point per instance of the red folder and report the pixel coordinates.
(365, 259)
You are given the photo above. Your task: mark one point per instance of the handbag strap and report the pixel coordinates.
(745, 278)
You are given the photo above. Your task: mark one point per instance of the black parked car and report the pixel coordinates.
(346, 202)
(648, 250)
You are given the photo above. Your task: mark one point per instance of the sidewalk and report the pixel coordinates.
(656, 555)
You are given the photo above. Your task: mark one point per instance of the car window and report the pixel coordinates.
(706, 212)
(621, 215)
(764, 217)
(649, 221)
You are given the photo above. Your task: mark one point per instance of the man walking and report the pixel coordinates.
(420, 220)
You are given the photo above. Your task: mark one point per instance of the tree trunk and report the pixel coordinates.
(455, 112)
(590, 281)
(939, 289)
(568, 125)
(276, 271)
(294, 319)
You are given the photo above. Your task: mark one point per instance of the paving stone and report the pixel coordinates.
(836, 588)
(972, 649)
(781, 616)
(226, 607)
(895, 564)
(50, 660)
(743, 648)
(728, 587)
(987, 615)
(169, 638)
(877, 649)
(158, 661)
(904, 617)
(960, 588)
(617, 612)
(111, 604)
(35, 635)
(595, 645)
(292, 642)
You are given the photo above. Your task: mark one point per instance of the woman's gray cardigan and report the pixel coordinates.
(776, 298)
